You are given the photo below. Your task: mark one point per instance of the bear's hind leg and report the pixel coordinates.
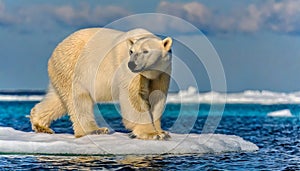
(43, 113)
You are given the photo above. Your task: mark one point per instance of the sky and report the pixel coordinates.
(258, 42)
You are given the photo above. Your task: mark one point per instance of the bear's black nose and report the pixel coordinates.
(131, 65)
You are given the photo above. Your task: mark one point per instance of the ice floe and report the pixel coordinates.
(281, 113)
(13, 141)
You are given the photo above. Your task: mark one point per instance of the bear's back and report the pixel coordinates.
(68, 51)
(66, 54)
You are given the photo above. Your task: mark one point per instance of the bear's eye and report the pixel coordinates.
(145, 52)
(130, 52)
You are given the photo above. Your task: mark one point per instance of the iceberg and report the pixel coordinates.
(281, 113)
(17, 142)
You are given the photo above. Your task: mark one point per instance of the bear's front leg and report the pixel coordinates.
(82, 116)
(142, 112)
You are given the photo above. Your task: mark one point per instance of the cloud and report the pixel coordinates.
(48, 16)
(270, 15)
(86, 15)
(5, 19)
(277, 16)
(193, 12)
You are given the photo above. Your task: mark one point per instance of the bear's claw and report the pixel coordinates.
(41, 129)
(162, 136)
(152, 136)
(100, 131)
(132, 135)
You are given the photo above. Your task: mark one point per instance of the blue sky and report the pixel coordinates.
(257, 41)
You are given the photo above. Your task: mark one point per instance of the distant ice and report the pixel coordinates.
(13, 141)
(21, 97)
(281, 113)
(247, 97)
(191, 95)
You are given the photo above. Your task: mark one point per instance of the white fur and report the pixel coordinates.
(91, 66)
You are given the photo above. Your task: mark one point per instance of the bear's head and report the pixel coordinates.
(150, 56)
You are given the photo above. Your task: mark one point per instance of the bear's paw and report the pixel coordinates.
(99, 131)
(42, 129)
(162, 135)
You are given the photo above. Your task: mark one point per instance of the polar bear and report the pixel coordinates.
(99, 65)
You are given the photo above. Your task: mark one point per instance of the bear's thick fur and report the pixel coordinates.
(99, 65)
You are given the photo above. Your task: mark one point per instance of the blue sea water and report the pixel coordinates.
(277, 137)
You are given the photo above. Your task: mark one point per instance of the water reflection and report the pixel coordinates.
(100, 162)
(141, 161)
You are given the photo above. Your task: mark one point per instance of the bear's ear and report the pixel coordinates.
(130, 42)
(167, 43)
